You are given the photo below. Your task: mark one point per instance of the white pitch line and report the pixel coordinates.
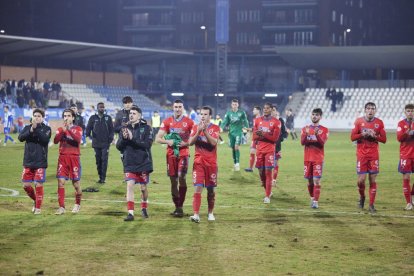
(15, 193)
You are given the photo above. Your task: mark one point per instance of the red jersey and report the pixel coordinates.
(206, 153)
(270, 128)
(405, 135)
(69, 140)
(182, 127)
(368, 147)
(314, 142)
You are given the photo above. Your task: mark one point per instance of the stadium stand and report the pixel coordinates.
(115, 94)
(110, 95)
(390, 105)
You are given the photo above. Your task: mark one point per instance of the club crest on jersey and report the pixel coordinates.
(319, 131)
(210, 131)
(271, 123)
(184, 124)
(376, 125)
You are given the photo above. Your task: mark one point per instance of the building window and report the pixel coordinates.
(333, 16)
(243, 16)
(303, 16)
(192, 17)
(361, 4)
(280, 38)
(333, 39)
(140, 19)
(302, 38)
(341, 19)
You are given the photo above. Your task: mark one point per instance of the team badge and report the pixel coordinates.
(319, 132)
(184, 124)
(376, 125)
(271, 123)
(210, 131)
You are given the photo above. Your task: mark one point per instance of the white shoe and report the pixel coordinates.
(211, 217)
(311, 201)
(37, 211)
(314, 205)
(60, 211)
(409, 207)
(221, 142)
(266, 200)
(33, 208)
(195, 218)
(76, 208)
(237, 167)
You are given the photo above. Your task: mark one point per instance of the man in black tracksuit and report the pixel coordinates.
(122, 117)
(79, 121)
(100, 128)
(135, 141)
(37, 137)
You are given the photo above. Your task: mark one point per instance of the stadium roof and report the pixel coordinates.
(62, 49)
(349, 57)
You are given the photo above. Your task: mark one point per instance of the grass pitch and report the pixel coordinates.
(247, 238)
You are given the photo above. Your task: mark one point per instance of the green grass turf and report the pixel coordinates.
(247, 238)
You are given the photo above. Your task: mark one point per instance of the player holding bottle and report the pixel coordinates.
(405, 135)
(69, 138)
(314, 137)
(368, 131)
(179, 126)
(204, 136)
(266, 131)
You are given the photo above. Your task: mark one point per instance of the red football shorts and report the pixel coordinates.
(69, 167)
(177, 166)
(312, 169)
(204, 175)
(406, 166)
(265, 160)
(365, 165)
(34, 175)
(138, 177)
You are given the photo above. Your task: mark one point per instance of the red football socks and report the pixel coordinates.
(361, 189)
(407, 190)
(61, 196)
(144, 204)
(30, 192)
(316, 192)
(39, 196)
(268, 174)
(78, 197)
(310, 189)
(372, 193)
(130, 205)
(196, 202)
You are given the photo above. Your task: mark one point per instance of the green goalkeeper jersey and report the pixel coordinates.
(236, 120)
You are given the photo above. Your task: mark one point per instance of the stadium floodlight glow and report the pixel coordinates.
(218, 95)
(2, 31)
(203, 27)
(270, 95)
(177, 94)
(348, 30)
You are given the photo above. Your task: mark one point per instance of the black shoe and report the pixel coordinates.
(129, 217)
(100, 181)
(144, 213)
(178, 212)
(372, 209)
(361, 203)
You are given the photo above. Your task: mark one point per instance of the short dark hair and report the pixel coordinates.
(409, 106)
(6, 106)
(235, 101)
(317, 111)
(70, 111)
(100, 103)
(179, 101)
(38, 110)
(210, 110)
(73, 105)
(370, 104)
(127, 99)
(268, 104)
(258, 108)
(136, 108)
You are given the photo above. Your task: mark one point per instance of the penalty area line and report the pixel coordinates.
(14, 193)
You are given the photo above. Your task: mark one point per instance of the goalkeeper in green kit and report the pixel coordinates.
(236, 120)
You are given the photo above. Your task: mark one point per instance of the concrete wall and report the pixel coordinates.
(62, 76)
(87, 77)
(17, 73)
(118, 79)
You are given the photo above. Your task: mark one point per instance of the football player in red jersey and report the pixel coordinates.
(204, 136)
(266, 131)
(368, 131)
(69, 167)
(177, 163)
(314, 137)
(405, 135)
